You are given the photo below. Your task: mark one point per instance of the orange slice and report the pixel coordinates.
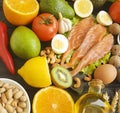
(52, 100)
(20, 12)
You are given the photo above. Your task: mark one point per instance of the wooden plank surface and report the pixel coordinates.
(111, 89)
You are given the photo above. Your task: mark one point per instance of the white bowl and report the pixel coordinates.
(16, 84)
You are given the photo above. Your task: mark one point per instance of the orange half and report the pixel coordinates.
(20, 12)
(52, 100)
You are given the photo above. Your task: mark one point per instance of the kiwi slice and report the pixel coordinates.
(61, 77)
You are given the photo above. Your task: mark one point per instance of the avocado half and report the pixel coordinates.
(56, 6)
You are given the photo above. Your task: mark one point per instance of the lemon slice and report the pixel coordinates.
(59, 43)
(83, 8)
(104, 18)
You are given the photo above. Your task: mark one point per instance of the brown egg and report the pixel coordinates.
(107, 73)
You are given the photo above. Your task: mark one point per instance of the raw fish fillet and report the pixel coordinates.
(77, 35)
(93, 36)
(95, 53)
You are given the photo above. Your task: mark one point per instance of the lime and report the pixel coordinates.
(25, 43)
(35, 72)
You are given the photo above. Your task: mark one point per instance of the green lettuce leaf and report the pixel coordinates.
(75, 20)
(90, 68)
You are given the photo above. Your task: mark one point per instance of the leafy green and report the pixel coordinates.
(90, 68)
(66, 34)
(75, 20)
(69, 56)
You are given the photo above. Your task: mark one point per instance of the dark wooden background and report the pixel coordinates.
(4, 73)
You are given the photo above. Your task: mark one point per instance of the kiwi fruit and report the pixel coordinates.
(61, 77)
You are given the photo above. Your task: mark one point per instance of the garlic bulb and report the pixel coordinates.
(65, 24)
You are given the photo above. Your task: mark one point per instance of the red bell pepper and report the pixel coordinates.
(4, 53)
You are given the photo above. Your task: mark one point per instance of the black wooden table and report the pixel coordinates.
(4, 73)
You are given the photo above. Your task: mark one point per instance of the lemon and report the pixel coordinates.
(104, 18)
(59, 44)
(83, 8)
(35, 72)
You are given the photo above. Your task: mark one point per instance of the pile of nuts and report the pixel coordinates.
(12, 99)
(50, 56)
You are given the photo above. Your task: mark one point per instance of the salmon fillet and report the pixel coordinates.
(77, 35)
(93, 36)
(95, 53)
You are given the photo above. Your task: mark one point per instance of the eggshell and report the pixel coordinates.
(107, 73)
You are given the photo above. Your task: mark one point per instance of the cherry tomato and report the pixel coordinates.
(45, 26)
(114, 11)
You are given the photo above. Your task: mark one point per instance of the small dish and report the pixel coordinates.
(20, 87)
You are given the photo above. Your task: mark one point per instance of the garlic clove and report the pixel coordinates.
(61, 27)
(65, 24)
(68, 22)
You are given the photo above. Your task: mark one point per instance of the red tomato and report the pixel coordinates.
(114, 11)
(45, 26)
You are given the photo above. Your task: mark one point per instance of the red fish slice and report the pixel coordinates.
(93, 36)
(95, 53)
(77, 35)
